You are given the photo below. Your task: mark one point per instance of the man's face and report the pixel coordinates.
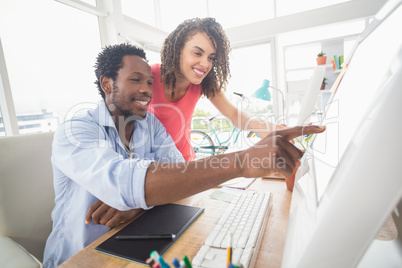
(131, 92)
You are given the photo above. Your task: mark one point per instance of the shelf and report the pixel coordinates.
(296, 79)
(301, 69)
(325, 91)
(312, 67)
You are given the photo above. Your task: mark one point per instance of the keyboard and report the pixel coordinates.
(242, 224)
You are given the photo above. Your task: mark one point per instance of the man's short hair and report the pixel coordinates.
(110, 61)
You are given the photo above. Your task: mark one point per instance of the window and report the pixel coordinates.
(229, 13)
(50, 50)
(140, 10)
(249, 66)
(174, 12)
(232, 13)
(153, 56)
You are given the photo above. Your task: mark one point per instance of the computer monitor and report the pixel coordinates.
(349, 182)
(310, 97)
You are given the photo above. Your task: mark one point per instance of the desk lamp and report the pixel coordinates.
(263, 93)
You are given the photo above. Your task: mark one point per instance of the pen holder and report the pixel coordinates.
(290, 181)
(155, 260)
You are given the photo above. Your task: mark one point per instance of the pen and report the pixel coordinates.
(163, 263)
(187, 262)
(150, 236)
(176, 263)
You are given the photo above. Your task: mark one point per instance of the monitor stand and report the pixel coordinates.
(386, 253)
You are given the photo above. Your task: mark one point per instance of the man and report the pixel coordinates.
(118, 153)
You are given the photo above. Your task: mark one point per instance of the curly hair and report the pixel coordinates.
(217, 78)
(110, 61)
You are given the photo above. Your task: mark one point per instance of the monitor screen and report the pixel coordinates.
(366, 72)
(346, 186)
(309, 99)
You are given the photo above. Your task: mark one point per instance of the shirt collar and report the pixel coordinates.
(103, 115)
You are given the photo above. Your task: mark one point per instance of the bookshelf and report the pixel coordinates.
(299, 63)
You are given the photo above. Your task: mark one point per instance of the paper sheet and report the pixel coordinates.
(238, 183)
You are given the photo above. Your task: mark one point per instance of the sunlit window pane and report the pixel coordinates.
(301, 56)
(247, 76)
(140, 10)
(153, 56)
(231, 13)
(50, 51)
(173, 12)
(249, 66)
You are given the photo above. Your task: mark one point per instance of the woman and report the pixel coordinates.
(195, 62)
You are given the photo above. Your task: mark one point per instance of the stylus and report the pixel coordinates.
(150, 236)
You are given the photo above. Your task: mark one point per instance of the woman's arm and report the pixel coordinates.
(242, 119)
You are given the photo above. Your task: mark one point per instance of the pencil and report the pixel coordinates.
(229, 251)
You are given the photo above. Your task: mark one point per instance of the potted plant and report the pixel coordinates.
(324, 82)
(321, 58)
(290, 181)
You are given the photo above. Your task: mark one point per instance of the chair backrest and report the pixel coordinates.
(26, 190)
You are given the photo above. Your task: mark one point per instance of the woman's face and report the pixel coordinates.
(196, 58)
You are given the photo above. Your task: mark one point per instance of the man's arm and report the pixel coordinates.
(84, 152)
(274, 154)
(167, 183)
(103, 214)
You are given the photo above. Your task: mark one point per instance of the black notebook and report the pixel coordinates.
(165, 219)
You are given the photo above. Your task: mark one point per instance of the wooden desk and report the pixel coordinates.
(270, 251)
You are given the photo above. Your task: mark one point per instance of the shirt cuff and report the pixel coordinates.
(140, 170)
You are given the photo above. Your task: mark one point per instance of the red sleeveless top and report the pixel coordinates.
(175, 116)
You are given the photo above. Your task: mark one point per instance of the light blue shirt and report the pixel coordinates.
(90, 163)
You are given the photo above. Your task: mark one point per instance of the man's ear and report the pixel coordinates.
(106, 84)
